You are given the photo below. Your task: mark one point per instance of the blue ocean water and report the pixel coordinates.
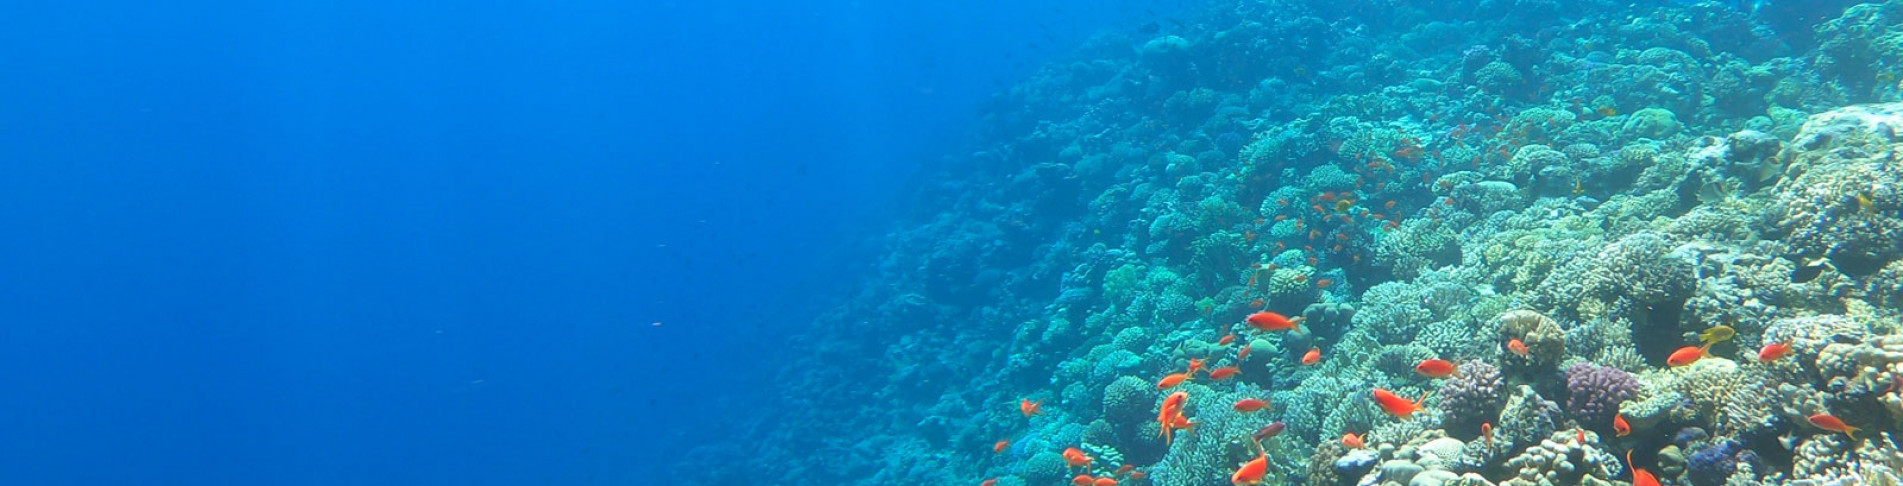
(449, 243)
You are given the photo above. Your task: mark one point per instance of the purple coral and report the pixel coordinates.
(1470, 397)
(1712, 466)
(1593, 393)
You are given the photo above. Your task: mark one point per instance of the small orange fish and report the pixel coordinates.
(1138, 475)
(1082, 480)
(1270, 321)
(1688, 355)
(1314, 355)
(1397, 406)
(1105, 481)
(1172, 408)
(1251, 472)
(1640, 476)
(1324, 283)
(1224, 373)
(1251, 404)
(1000, 446)
(1486, 430)
(1435, 368)
(1773, 351)
(1389, 205)
(1195, 365)
(1075, 457)
(989, 482)
(1226, 339)
(1242, 354)
(1832, 423)
(1183, 422)
(1579, 435)
(1171, 381)
(1029, 408)
(1518, 347)
(1619, 426)
(1125, 469)
(1352, 441)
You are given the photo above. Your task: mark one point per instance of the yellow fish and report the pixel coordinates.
(1717, 334)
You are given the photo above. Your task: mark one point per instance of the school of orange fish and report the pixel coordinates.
(1171, 417)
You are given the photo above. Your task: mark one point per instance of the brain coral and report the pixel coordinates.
(1544, 339)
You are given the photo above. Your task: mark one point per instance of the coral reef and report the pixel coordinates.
(1544, 217)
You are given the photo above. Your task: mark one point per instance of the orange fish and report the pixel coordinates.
(1688, 355)
(1832, 423)
(1619, 426)
(1226, 339)
(1171, 381)
(1195, 365)
(1324, 283)
(1104, 482)
(1251, 404)
(1518, 347)
(1125, 469)
(1182, 422)
(1029, 408)
(1251, 472)
(1434, 368)
(1397, 406)
(1138, 475)
(1075, 457)
(1000, 446)
(1082, 480)
(1314, 355)
(1270, 321)
(1242, 354)
(989, 482)
(1224, 373)
(1640, 476)
(1172, 408)
(1773, 351)
(1486, 430)
(1352, 441)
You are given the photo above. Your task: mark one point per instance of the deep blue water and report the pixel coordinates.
(427, 243)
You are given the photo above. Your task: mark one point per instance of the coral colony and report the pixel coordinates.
(1331, 243)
